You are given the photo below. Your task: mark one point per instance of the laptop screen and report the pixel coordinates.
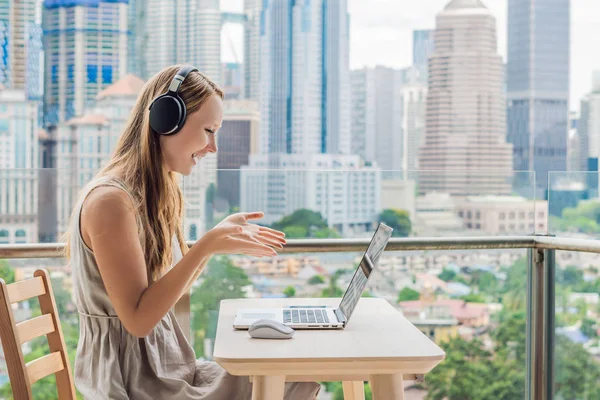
(362, 273)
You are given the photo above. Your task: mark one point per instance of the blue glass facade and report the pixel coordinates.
(423, 45)
(538, 86)
(100, 27)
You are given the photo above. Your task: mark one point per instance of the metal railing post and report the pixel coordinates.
(540, 324)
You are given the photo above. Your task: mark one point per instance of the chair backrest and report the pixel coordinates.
(22, 375)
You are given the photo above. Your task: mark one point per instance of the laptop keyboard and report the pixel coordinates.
(305, 316)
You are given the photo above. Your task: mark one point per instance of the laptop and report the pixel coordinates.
(324, 317)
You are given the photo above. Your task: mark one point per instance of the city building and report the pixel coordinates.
(398, 194)
(178, 32)
(75, 71)
(20, 47)
(252, 56)
(47, 187)
(423, 45)
(414, 98)
(464, 150)
(18, 167)
(574, 161)
(588, 132)
(342, 188)
(304, 77)
(231, 80)
(538, 86)
(436, 216)
(237, 139)
(504, 215)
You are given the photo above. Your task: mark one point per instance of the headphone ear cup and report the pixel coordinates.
(166, 113)
(183, 112)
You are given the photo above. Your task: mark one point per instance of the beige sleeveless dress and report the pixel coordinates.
(112, 364)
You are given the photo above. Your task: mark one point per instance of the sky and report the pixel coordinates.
(381, 34)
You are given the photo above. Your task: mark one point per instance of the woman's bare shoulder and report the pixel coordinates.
(106, 209)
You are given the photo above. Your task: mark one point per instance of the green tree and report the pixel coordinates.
(316, 280)
(398, 220)
(289, 291)
(408, 294)
(447, 275)
(588, 328)
(485, 281)
(221, 280)
(577, 374)
(473, 298)
(7, 272)
(294, 232)
(304, 223)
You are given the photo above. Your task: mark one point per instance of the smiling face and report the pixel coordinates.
(196, 139)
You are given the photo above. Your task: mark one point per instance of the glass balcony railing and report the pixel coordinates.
(574, 208)
(464, 267)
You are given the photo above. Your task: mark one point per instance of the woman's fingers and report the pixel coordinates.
(264, 229)
(245, 245)
(271, 236)
(270, 241)
(254, 215)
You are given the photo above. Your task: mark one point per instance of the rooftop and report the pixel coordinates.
(129, 85)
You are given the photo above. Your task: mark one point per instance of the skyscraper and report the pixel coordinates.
(423, 45)
(377, 116)
(465, 150)
(18, 167)
(305, 77)
(179, 32)
(252, 32)
(20, 39)
(302, 70)
(238, 139)
(538, 86)
(85, 44)
(588, 132)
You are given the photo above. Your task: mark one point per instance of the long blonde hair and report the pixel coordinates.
(137, 160)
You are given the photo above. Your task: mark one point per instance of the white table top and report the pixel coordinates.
(376, 332)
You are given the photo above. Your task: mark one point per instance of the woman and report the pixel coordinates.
(129, 259)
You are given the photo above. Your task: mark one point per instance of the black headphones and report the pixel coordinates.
(167, 111)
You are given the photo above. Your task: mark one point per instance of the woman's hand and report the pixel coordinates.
(230, 238)
(253, 232)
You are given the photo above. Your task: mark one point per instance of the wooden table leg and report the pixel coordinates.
(354, 390)
(387, 387)
(268, 387)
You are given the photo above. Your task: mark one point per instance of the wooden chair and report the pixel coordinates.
(23, 375)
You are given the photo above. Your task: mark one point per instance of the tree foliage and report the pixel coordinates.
(399, 220)
(304, 223)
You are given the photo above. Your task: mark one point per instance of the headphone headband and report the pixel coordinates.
(180, 77)
(168, 111)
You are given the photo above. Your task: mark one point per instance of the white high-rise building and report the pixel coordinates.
(588, 129)
(414, 98)
(464, 150)
(252, 10)
(304, 77)
(75, 69)
(180, 32)
(388, 108)
(20, 46)
(18, 167)
(344, 190)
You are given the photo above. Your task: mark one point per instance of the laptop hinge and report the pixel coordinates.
(340, 315)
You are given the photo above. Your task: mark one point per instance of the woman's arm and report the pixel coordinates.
(196, 275)
(108, 225)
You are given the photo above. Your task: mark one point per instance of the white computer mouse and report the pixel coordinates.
(270, 329)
